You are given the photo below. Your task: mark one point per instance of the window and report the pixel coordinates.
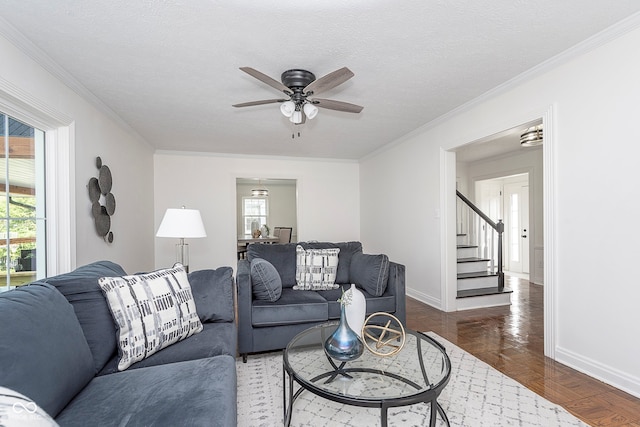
(255, 213)
(22, 207)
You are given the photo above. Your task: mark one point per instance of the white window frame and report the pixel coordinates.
(244, 214)
(59, 172)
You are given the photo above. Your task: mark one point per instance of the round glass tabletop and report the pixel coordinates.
(417, 373)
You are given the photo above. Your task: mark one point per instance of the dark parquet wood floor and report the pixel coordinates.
(511, 340)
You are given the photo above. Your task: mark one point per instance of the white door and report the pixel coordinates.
(517, 227)
(489, 200)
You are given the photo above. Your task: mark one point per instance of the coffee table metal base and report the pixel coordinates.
(384, 405)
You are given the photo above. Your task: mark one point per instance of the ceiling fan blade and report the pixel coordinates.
(266, 79)
(329, 81)
(264, 101)
(337, 105)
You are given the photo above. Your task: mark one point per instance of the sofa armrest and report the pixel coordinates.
(245, 297)
(396, 286)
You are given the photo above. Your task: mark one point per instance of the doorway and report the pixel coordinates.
(275, 205)
(506, 198)
(491, 148)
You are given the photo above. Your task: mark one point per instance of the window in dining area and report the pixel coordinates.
(255, 213)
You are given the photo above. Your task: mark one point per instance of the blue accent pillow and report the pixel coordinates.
(43, 352)
(370, 272)
(265, 280)
(212, 290)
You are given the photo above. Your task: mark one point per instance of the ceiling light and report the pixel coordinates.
(287, 108)
(310, 110)
(260, 191)
(296, 117)
(532, 137)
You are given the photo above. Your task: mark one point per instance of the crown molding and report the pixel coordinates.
(605, 36)
(252, 156)
(27, 47)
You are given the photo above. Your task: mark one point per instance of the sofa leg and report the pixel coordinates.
(244, 357)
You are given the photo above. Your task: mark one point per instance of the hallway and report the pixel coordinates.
(511, 340)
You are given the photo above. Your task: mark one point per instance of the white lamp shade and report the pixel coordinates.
(181, 223)
(296, 117)
(310, 110)
(287, 108)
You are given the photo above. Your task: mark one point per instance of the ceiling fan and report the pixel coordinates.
(300, 86)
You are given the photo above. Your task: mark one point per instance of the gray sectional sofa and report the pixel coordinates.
(268, 321)
(58, 347)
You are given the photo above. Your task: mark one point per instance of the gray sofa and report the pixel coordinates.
(265, 325)
(58, 347)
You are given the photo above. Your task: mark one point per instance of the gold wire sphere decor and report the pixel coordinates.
(383, 339)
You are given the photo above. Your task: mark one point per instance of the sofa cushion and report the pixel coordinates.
(199, 392)
(265, 280)
(347, 250)
(316, 268)
(17, 409)
(80, 287)
(152, 311)
(281, 256)
(386, 302)
(43, 352)
(370, 272)
(212, 290)
(292, 307)
(214, 340)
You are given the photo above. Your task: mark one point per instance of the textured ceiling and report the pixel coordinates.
(170, 68)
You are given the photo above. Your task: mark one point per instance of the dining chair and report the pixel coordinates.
(242, 251)
(283, 234)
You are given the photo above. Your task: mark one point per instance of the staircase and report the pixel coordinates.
(480, 280)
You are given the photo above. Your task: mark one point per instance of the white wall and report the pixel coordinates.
(328, 200)
(593, 99)
(94, 133)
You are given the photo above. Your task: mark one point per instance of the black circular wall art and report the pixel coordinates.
(103, 202)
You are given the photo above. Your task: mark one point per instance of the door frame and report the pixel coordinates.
(448, 221)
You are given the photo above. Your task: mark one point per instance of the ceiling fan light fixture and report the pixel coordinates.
(287, 108)
(296, 117)
(532, 137)
(310, 110)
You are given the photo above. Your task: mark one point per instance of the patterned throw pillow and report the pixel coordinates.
(316, 269)
(151, 312)
(18, 410)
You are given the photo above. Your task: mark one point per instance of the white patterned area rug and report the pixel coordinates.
(477, 396)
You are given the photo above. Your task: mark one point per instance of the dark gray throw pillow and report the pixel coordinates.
(265, 280)
(370, 272)
(80, 287)
(212, 290)
(43, 352)
(281, 256)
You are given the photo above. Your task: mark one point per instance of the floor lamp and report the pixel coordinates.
(182, 224)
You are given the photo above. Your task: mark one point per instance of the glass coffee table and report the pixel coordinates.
(418, 373)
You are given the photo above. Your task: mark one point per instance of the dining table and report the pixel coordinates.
(245, 240)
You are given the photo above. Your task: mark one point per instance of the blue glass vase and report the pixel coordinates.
(344, 344)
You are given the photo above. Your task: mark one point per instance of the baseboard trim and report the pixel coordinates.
(424, 298)
(604, 373)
